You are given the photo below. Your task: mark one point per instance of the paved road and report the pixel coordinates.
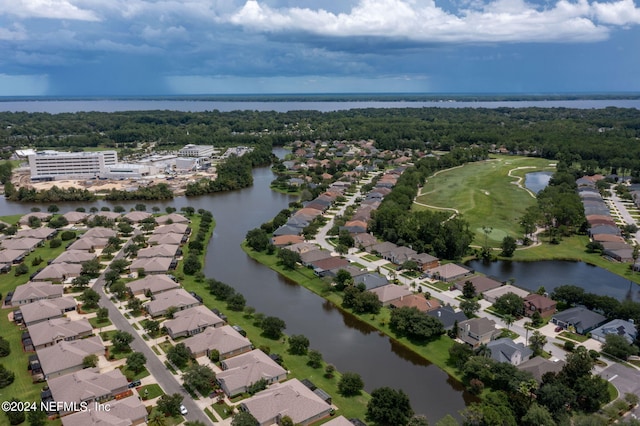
(625, 379)
(163, 377)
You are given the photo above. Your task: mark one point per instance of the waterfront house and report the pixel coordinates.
(477, 331)
(153, 265)
(42, 216)
(417, 301)
(172, 218)
(152, 284)
(539, 366)
(371, 280)
(241, 371)
(226, 340)
(170, 238)
(623, 328)
(178, 298)
(481, 283)
(390, 293)
(506, 350)
(191, 321)
(448, 316)
(539, 303)
(449, 272)
(100, 232)
(492, 295)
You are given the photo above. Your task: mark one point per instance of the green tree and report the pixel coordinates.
(200, 377)
(257, 239)
(537, 342)
(315, 359)
(350, 384)
(469, 307)
(298, 344)
(468, 290)
(343, 278)
(134, 304)
(102, 314)
(236, 302)
(272, 327)
(152, 327)
(89, 298)
(244, 418)
(191, 265)
(121, 340)
(136, 361)
(15, 416)
(537, 415)
(179, 355)
(288, 258)
(37, 417)
(5, 347)
(91, 268)
(389, 407)
(257, 386)
(509, 304)
(508, 246)
(6, 377)
(90, 361)
(618, 346)
(170, 404)
(418, 420)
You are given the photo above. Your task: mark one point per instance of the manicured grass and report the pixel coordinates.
(136, 326)
(119, 355)
(170, 367)
(96, 323)
(484, 194)
(131, 375)
(156, 350)
(210, 415)
(107, 335)
(439, 285)
(573, 336)
(371, 257)
(165, 346)
(223, 410)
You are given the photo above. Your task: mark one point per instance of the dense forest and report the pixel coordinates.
(597, 138)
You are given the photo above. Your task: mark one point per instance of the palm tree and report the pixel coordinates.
(508, 319)
(483, 350)
(157, 419)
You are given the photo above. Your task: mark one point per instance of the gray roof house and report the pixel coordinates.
(160, 250)
(371, 280)
(178, 298)
(46, 309)
(448, 316)
(48, 333)
(579, 318)
(58, 272)
(153, 284)
(292, 399)
(173, 218)
(12, 256)
(174, 228)
(620, 327)
(226, 340)
(309, 257)
(449, 272)
(32, 291)
(192, 321)
(137, 216)
(129, 411)
(477, 331)
(100, 232)
(87, 386)
(170, 238)
(74, 256)
(66, 357)
(24, 244)
(75, 217)
(383, 249)
(506, 350)
(242, 371)
(42, 233)
(88, 243)
(24, 220)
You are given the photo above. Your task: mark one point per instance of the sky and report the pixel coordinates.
(197, 47)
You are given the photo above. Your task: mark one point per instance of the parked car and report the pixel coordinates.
(558, 329)
(134, 383)
(183, 410)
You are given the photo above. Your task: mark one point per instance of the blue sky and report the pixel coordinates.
(172, 47)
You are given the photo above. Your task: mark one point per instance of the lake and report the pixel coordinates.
(537, 181)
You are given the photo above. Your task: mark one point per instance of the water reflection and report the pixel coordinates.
(537, 181)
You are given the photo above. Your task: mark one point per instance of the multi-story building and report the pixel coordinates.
(196, 151)
(53, 165)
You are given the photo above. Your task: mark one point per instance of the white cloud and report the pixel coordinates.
(16, 32)
(52, 9)
(424, 21)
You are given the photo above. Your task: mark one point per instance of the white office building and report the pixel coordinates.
(196, 151)
(55, 165)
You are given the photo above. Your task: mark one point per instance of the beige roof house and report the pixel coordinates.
(153, 265)
(75, 217)
(242, 371)
(100, 232)
(32, 291)
(129, 411)
(89, 243)
(88, 385)
(170, 238)
(292, 399)
(58, 272)
(227, 341)
(178, 298)
(152, 284)
(539, 366)
(448, 272)
(301, 247)
(339, 421)
(47, 333)
(12, 256)
(492, 295)
(481, 283)
(74, 256)
(41, 233)
(172, 217)
(66, 357)
(136, 216)
(160, 250)
(109, 215)
(24, 244)
(390, 293)
(477, 331)
(174, 228)
(307, 258)
(46, 309)
(192, 321)
(24, 220)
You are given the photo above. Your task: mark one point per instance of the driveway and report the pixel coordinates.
(625, 379)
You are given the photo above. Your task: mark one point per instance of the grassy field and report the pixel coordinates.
(484, 194)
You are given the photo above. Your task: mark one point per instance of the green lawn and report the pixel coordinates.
(573, 336)
(223, 410)
(131, 375)
(96, 323)
(484, 194)
(371, 257)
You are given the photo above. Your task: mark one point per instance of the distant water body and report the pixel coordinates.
(115, 105)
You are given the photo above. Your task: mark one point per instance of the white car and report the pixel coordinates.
(183, 409)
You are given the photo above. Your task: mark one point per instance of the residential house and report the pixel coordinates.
(152, 284)
(129, 411)
(352, 270)
(492, 295)
(27, 244)
(241, 371)
(301, 248)
(292, 399)
(42, 233)
(539, 366)
(286, 240)
(100, 232)
(58, 272)
(391, 293)
(339, 421)
(506, 350)
(136, 216)
(32, 291)
(364, 241)
(226, 340)
(12, 256)
(42, 216)
(170, 238)
(417, 301)
(448, 316)
(449, 272)
(400, 254)
(153, 265)
(382, 249)
(88, 244)
(355, 227)
(114, 216)
(309, 257)
(178, 298)
(67, 357)
(287, 229)
(544, 305)
(323, 267)
(579, 318)
(87, 386)
(48, 333)
(620, 327)
(174, 228)
(481, 283)
(74, 256)
(426, 261)
(74, 217)
(46, 309)
(477, 331)
(371, 280)
(160, 250)
(191, 321)
(172, 218)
